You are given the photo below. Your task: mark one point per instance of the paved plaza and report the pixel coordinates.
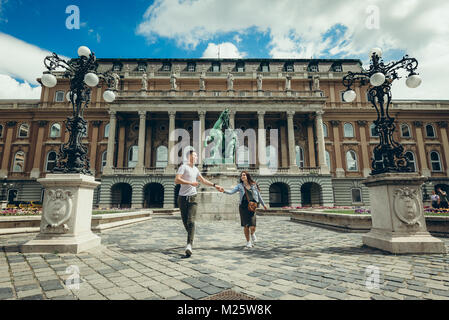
(290, 261)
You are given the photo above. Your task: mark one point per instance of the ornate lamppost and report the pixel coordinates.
(83, 75)
(67, 207)
(398, 222)
(388, 154)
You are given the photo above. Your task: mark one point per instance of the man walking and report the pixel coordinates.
(187, 177)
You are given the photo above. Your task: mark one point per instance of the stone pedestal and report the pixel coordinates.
(66, 215)
(398, 222)
(214, 205)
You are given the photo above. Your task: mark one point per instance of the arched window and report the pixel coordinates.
(106, 131)
(51, 161)
(55, 130)
(351, 161)
(1, 130)
(348, 130)
(430, 131)
(411, 160)
(161, 157)
(300, 156)
(435, 161)
(103, 160)
(373, 131)
(328, 159)
(133, 154)
(325, 134)
(356, 195)
(24, 130)
(405, 131)
(19, 162)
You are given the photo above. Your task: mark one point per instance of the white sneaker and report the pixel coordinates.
(253, 237)
(189, 250)
(249, 245)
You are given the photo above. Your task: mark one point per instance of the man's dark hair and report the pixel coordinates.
(191, 151)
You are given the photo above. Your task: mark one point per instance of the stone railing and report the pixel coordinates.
(216, 93)
(154, 170)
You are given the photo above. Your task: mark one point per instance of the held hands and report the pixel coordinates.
(265, 207)
(219, 188)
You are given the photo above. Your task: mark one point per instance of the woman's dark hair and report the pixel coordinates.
(248, 176)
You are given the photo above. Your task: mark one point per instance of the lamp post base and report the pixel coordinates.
(66, 215)
(398, 222)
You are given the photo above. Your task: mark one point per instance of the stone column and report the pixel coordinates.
(7, 148)
(93, 147)
(324, 169)
(141, 143)
(339, 171)
(421, 149)
(397, 212)
(443, 130)
(111, 143)
(232, 119)
(262, 148)
(311, 142)
(291, 141)
(35, 172)
(148, 146)
(171, 128)
(364, 146)
(122, 154)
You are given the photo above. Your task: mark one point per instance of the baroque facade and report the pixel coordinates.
(324, 145)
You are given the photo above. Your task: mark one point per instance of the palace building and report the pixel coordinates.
(325, 145)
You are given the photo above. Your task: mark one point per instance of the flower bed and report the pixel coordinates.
(20, 212)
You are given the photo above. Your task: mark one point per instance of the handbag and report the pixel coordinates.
(252, 205)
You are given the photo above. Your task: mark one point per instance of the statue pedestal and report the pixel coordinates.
(398, 222)
(66, 215)
(214, 205)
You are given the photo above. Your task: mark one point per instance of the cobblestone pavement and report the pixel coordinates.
(290, 261)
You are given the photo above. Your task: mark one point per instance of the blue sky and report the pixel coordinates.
(241, 28)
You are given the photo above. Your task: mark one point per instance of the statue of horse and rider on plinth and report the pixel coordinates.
(224, 140)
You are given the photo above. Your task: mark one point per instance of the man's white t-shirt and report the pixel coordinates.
(190, 174)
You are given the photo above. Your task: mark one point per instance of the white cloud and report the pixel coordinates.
(296, 29)
(20, 59)
(12, 89)
(222, 50)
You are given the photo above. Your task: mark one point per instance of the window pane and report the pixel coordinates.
(328, 159)
(55, 130)
(23, 131)
(106, 131)
(411, 161)
(405, 130)
(373, 130)
(356, 195)
(324, 130)
(351, 160)
(349, 131)
(434, 156)
(429, 131)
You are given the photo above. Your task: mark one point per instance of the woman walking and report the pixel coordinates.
(249, 191)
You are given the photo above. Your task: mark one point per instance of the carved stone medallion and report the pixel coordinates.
(58, 208)
(406, 206)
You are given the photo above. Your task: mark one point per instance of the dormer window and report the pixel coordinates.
(191, 66)
(142, 67)
(289, 67)
(117, 67)
(215, 66)
(240, 67)
(313, 67)
(336, 67)
(264, 67)
(166, 66)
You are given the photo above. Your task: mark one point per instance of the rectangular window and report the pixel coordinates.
(59, 96)
(166, 67)
(289, 68)
(191, 67)
(356, 195)
(265, 68)
(313, 68)
(215, 67)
